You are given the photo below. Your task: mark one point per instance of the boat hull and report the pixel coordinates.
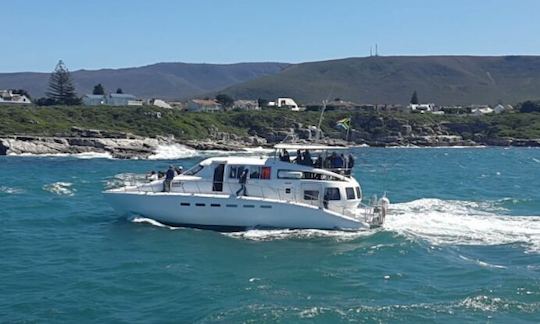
(228, 213)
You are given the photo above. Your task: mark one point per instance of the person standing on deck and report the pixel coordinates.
(169, 176)
(299, 157)
(242, 180)
(351, 161)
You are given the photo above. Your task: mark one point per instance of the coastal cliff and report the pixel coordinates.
(127, 132)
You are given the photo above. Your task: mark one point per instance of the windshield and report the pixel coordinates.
(194, 170)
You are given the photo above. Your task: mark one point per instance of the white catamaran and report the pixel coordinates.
(280, 193)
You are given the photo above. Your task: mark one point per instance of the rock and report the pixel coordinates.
(406, 130)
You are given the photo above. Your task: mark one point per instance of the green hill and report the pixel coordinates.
(161, 80)
(437, 79)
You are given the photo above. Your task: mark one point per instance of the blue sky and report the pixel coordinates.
(121, 33)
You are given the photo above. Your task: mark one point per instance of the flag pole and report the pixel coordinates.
(348, 129)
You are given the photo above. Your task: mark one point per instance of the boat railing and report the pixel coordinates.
(206, 186)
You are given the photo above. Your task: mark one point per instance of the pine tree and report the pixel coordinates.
(414, 98)
(61, 89)
(98, 89)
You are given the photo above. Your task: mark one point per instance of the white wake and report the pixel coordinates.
(462, 223)
(60, 188)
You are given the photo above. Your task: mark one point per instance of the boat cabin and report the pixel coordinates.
(273, 178)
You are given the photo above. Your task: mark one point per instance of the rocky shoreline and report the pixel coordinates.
(128, 146)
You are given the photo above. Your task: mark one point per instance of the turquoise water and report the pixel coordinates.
(462, 243)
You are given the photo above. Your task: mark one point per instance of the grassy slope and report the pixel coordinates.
(438, 79)
(143, 121)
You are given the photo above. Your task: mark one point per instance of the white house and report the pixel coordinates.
(499, 109)
(421, 108)
(481, 111)
(204, 105)
(284, 102)
(8, 97)
(159, 103)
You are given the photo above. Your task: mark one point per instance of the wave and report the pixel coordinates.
(463, 223)
(125, 179)
(60, 188)
(285, 234)
(438, 147)
(440, 222)
(85, 155)
(179, 151)
(9, 190)
(173, 151)
(140, 219)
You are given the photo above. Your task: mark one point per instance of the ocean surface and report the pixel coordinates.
(461, 244)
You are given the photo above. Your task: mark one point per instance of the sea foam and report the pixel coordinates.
(456, 222)
(85, 155)
(60, 188)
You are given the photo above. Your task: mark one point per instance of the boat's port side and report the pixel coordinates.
(248, 212)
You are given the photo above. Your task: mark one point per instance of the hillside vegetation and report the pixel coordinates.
(162, 80)
(444, 80)
(147, 121)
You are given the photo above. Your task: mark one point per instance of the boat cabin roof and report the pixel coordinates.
(283, 146)
(241, 160)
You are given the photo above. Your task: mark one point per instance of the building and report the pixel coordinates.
(479, 111)
(246, 105)
(204, 105)
(113, 99)
(93, 100)
(159, 103)
(421, 108)
(12, 97)
(500, 108)
(123, 99)
(284, 103)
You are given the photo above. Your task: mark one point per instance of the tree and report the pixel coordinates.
(98, 89)
(262, 102)
(225, 100)
(529, 106)
(414, 98)
(61, 89)
(119, 91)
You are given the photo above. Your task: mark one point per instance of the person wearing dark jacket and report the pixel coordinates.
(351, 161)
(299, 157)
(306, 158)
(242, 181)
(169, 176)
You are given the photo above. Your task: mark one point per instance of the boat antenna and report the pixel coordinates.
(320, 119)
(323, 108)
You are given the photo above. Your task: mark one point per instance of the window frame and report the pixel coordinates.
(333, 197)
(350, 193)
(312, 197)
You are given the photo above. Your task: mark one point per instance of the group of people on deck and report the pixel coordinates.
(168, 175)
(332, 161)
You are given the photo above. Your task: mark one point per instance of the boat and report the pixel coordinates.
(280, 194)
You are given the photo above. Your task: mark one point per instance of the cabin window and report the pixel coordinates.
(294, 174)
(255, 172)
(332, 194)
(235, 171)
(358, 193)
(311, 194)
(266, 172)
(350, 193)
(289, 174)
(194, 170)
